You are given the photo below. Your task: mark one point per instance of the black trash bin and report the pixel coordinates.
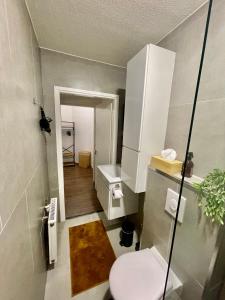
(127, 234)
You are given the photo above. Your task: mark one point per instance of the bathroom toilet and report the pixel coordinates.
(141, 276)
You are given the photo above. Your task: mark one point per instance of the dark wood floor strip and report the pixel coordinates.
(80, 194)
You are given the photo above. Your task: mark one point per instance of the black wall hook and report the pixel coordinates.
(45, 121)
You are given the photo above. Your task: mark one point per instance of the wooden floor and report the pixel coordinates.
(80, 195)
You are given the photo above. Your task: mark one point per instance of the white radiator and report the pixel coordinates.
(52, 231)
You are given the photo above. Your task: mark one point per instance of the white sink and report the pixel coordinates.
(112, 173)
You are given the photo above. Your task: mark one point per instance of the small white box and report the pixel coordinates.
(172, 202)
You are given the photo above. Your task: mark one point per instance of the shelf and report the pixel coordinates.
(68, 155)
(68, 128)
(68, 164)
(191, 181)
(188, 182)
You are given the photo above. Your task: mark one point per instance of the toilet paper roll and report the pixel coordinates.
(117, 193)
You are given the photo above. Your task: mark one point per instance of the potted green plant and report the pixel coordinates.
(211, 195)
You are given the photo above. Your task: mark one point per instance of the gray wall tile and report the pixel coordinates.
(16, 274)
(177, 129)
(195, 240)
(186, 41)
(208, 141)
(212, 86)
(34, 198)
(157, 223)
(23, 157)
(208, 137)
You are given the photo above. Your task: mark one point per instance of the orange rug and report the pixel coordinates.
(91, 256)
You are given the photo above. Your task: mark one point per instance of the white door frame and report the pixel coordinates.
(58, 90)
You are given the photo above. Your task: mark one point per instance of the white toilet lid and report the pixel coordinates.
(138, 276)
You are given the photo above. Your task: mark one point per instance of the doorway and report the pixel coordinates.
(78, 152)
(97, 114)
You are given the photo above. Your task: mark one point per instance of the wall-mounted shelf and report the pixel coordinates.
(68, 152)
(191, 181)
(188, 182)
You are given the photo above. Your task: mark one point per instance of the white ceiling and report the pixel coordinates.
(110, 31)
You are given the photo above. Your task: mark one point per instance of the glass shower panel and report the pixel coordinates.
(197, 250)
(158, 224)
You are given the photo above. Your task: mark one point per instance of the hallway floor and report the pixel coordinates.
(80, 195)
(58, 284)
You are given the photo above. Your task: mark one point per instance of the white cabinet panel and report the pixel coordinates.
(115, 208)
(134, 169)
(129, 168)
(125, 206)
(148, 88)
(103, 134)
(135, 82)
(102, 193)
(156, 99)
(105, 198)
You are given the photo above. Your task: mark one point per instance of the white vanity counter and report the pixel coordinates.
(111, 172)
(116, 198)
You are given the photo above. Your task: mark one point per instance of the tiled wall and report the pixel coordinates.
(68, 71)
(208, 142)
(195, 239)
(23, 171)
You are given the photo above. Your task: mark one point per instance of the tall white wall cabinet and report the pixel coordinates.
(148, 88)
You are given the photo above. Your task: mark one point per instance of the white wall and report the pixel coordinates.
(84, 128)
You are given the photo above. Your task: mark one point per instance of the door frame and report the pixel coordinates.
(58, 90)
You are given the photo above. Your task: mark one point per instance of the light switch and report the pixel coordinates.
(172, 202)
